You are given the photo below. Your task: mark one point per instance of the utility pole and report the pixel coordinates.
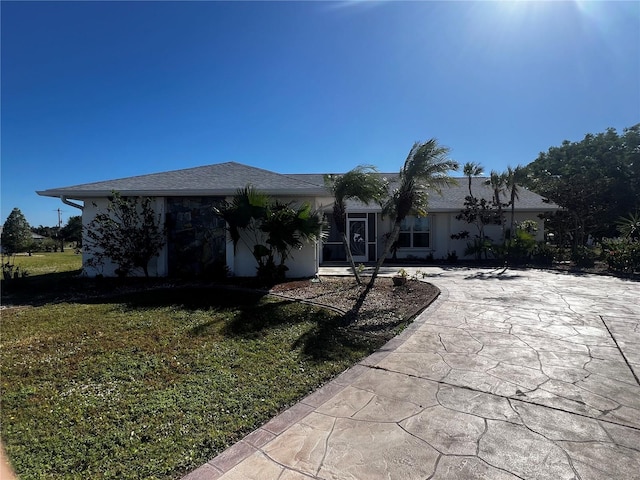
(60, 230)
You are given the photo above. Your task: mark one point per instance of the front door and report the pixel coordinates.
(357, 234)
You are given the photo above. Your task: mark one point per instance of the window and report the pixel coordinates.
(415, 232)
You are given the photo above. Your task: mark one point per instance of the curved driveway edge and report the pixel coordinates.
(508, 374)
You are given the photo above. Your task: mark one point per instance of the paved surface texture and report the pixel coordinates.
(509, 374)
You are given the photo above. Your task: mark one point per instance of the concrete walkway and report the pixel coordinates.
(517, 374)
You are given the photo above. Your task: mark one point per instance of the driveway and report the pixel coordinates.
(515, 374)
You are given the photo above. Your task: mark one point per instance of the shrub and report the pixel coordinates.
(583, 257)
(543, 254)
(622, 254)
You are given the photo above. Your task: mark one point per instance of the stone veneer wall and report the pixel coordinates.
(196, 239)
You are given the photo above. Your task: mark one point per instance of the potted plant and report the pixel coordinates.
(400, 278)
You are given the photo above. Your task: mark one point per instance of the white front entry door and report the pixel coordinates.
(357, 235)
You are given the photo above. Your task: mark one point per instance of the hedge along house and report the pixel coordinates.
(197, 240)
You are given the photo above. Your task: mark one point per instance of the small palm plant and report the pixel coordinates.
(271, 228)
(629, 226)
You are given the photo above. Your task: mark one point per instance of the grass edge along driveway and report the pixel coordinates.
(154, 384)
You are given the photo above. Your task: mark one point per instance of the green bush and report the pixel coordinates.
(583, 257)
(543, 254)
(622, 254)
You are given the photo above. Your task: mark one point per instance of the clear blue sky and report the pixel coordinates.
(96, 91)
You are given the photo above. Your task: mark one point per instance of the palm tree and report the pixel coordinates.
(363, 184)
(289, 227)
(512, 177)
(497, 181)
(272, 226)
(472, 169)
(426, 167)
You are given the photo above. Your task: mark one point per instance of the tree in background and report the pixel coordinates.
(128, 234)
(470, 170)
(72, 231)
(363, 184)
(596, 180)
(497, 181)
(426, 167)
(512, 177)
(16, 234)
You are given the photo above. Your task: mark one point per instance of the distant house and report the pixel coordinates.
(196, 238)
(34, 236)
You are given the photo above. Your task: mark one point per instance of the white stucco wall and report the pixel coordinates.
(93, 206)
(443, 225)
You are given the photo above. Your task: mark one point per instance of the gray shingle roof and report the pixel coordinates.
(217, 179)
(227, 178)
(452, 198)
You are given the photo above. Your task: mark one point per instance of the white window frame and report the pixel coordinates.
(410, 222)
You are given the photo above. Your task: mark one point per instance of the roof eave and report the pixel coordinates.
(79, 195)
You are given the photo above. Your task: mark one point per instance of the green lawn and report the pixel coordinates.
(41, 263)
(153, 384)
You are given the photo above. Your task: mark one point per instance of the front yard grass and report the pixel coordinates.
(41, 263)
(154, 384)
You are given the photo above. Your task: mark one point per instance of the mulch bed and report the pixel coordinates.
(381, 310)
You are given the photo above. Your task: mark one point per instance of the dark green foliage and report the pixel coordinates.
(629, 226)
(596, 180)
(72, 231)
(128, 234)
(583, 256)
(622, 255)
(16, 234)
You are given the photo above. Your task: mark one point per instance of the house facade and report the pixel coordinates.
(197, 241)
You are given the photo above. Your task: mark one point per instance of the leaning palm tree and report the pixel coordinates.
(512, 177)
(426, 167)
(363, 184)
(472, 169)
(498, 181)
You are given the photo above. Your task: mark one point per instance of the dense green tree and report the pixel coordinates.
(128, 233)
(16, 234)
(426, 168)
(72, 231)
(595, 180)
(363, 184)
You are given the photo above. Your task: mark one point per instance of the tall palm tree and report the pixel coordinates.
(472, 169)
(426, 167)
(363, 184)
(498, 181)
(512, 177)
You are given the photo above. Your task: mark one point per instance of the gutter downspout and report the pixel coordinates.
(71, 204)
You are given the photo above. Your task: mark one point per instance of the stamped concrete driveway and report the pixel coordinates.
(515, 374)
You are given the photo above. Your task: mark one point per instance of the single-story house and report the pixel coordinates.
(196, 237)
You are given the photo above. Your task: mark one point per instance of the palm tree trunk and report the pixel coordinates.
(347, 249)
(387, 248)
(513, 214)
